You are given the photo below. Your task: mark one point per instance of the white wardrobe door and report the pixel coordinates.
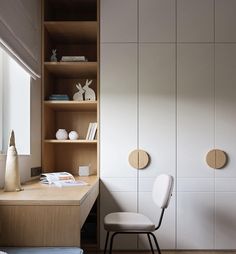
(157, 132)
(118, 92)
(156, 20)
(119, 20)
(195, 109)
(157, 108)
(225, 20)
(225, 230)
(195, 137)
(225, 76)
(118, 135)
(195, 20)
(195, 221)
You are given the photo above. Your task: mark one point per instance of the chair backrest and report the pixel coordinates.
(162, 190)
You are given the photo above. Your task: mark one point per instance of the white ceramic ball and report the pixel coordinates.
(73, 135)
(61, 134)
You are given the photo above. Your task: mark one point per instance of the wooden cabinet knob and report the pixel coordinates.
(216, 159)
(139, 159)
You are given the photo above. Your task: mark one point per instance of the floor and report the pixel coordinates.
(168, 252)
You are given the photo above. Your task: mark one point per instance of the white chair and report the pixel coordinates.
(136, 223)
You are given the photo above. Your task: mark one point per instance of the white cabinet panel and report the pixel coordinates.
(225, 91)
(118, 20)
(195, 220)
(120, 184)
(157, 20)
(118, 92)
(166, 234)
(195, 109)
(195, 20)
(225, 20)
(225, 228)
(195, 184)
(157, 107)
(120, 201)
(225, 184)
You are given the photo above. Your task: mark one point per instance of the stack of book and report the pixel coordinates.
(59, 97)
(74, 59)
(91, 133)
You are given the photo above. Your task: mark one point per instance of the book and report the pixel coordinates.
(61, 179)
(93, 131)
(89, 131)
(74, 59)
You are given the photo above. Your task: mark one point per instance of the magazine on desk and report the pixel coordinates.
(61, 179)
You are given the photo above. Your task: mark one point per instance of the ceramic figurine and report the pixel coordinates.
(73, 135)
(54, 56)
(12, 174)
(61, 134)
(79, 95)
(89, 93)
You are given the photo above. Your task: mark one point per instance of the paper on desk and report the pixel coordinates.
(68, 183)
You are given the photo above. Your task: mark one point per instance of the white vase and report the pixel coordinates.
(61, 134)
(73, 135)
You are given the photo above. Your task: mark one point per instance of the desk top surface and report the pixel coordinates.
(36, 193)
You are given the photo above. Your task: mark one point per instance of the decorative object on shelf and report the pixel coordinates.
(58, 97)
(74, 59)
(85, 170)
(54, 56)
(139, 159)
(73, 135)
(89, 93)
(61, 134)
(12, 174)
(216, 159)
(79, 95)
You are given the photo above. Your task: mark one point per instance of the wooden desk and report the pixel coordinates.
(44, 215)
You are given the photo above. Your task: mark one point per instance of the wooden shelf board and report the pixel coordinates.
(72, 31)
(79, 141)
(83, 106)
(72, 69)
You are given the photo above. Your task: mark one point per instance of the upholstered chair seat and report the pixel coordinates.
(128, 222)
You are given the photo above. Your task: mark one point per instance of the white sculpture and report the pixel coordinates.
(79, 95)
(89, 93)
(53, 56)
(73, 135)
(12, 175)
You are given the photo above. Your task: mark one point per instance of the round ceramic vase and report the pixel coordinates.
(61, 134)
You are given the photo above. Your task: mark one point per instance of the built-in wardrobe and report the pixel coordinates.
(168, 86)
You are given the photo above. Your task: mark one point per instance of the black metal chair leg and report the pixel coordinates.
(150, 242)
(155, 240)
(111, 243)
(107, 238)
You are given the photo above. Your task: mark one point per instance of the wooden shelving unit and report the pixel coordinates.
(71, 27)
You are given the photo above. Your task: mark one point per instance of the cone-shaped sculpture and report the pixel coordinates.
(12, 175)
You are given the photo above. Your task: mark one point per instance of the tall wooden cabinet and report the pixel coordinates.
(72, 28)
(168, 87)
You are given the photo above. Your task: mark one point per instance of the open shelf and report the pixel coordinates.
(72, 69)
(82, 106)
(72, 31)
(70, 10)
(78, 141)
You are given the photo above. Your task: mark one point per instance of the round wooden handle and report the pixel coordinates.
(139, 159)
(216, 159)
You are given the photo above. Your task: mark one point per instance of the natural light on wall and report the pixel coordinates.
(14, 104)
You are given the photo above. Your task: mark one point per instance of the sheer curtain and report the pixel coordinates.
(20, 31)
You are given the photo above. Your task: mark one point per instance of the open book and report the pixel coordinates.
(61, 179)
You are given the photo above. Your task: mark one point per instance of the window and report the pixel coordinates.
(14, 104)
